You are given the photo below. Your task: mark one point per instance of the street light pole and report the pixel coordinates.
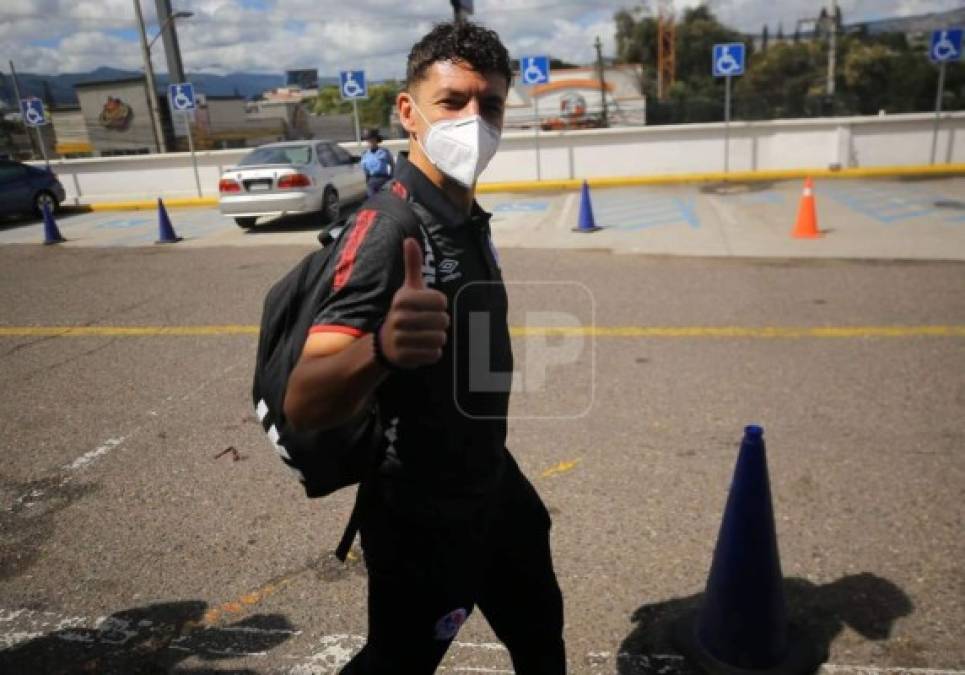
(151, 87)
(599, 61)
(832, 47)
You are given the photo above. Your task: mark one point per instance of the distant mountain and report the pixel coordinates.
(60, 88)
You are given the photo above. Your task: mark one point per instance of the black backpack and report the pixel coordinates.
(324, 461)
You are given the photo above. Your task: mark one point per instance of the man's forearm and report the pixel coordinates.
(326, 391)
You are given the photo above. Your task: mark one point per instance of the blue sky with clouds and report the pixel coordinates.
(56, 36)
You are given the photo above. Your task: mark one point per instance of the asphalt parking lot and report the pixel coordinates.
(147, 526)
(919, 219)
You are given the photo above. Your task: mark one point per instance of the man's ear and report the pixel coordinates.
(403, 104)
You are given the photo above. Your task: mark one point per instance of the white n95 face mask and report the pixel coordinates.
(460, 148)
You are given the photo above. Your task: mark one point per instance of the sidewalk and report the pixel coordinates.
(871, 218)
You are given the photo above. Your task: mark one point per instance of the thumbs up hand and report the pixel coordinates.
(414, 331)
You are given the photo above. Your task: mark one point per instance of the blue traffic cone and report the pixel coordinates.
(586, 222)
(51, 231)
(166, 231)
(741, 625)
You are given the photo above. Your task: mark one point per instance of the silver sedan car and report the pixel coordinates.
(289, 178)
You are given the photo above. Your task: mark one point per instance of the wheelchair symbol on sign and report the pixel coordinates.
(181, 100)
(351, 88)
(34, 116)
(727, 64)
(532, 74)
(944, 49)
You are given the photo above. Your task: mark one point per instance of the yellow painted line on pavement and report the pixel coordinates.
(754, 332)
(125, 331)
(563, 467)
(740, 331)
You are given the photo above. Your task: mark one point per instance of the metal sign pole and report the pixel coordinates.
(43, 147)
(358, 132)
(194, 158)
(938, 110)
(539, 161)
(727, 124)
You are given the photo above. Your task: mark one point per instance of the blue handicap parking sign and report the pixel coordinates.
(728, 59)
(182, 96)
(534, 69)
(946, 45)
(352, 84)
(32, 110)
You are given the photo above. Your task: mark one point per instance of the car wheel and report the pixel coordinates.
(246, 221)
(44, 197)
(330, 207)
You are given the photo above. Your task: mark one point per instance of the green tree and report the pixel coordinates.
(780, 81)
(374, 111)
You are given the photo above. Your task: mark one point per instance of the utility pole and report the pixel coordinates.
(458, 12)
(151, 86)
(599, 62)
(169, 36)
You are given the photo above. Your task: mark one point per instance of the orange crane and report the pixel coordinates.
(666, 48)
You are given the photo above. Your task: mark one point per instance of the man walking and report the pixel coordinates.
(451, 524)
(377, 163)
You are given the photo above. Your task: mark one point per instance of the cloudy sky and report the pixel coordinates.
(58, 36)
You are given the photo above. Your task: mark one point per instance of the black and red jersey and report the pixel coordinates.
(446, 422)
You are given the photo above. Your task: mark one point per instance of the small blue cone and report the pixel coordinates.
(741, 626)
(166, 231)
(586, 222)
(51, 231)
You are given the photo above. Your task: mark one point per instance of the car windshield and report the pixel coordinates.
(287, 154)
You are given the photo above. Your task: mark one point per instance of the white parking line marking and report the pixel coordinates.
(92, 455)
(19, 626)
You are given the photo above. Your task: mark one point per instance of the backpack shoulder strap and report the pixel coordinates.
(398, 209)
(401, 212)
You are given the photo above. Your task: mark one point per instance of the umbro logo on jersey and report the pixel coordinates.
(448, 269)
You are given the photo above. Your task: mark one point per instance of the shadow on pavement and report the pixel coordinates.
(733, 187)
(300, 223)
(27, 518)
(65, 212)
(146, 640)
(867, 603)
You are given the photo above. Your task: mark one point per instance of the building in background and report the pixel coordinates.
(223, 122)
(289, 109)
(302, 79)
(573, 99)
(117, 117)
(70, 131)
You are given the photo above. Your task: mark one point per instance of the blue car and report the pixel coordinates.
(25, 189)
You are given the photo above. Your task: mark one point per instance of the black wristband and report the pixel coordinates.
(380, 357)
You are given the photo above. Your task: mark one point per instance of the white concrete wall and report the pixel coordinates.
(893, 140)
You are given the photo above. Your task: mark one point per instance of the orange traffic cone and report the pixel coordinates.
(807, 217)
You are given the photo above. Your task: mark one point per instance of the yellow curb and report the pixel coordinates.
(733, 176)
(147, 204)
(616, 181)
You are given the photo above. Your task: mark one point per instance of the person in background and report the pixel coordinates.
(377, 163)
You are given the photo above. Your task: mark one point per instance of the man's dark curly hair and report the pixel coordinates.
(464, 42)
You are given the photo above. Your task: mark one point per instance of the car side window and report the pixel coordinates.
(10, 171)
(342, 155)
(325, 155)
